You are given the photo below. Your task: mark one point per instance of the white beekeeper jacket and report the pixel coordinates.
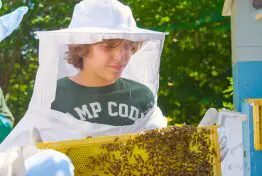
(92, 21)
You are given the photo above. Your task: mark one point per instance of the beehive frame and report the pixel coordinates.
(107, 155)
(257, 122)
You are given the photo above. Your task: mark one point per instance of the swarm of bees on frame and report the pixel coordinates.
(172, 151)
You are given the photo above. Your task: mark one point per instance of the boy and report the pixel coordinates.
(101, 38)
(100, 99)
(103, 43)
(97, 94)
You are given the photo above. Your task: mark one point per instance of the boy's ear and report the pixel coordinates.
(86, 58)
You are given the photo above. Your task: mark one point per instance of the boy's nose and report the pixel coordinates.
(120, 54)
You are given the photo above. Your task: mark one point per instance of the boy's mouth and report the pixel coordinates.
(117, 67)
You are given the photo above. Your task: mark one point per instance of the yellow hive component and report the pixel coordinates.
(257, 122)
(107, 155)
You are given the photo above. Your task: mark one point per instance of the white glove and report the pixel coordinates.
(210, 118)
(222, 143)
(12, 161)
(31, 161)
(45, 162)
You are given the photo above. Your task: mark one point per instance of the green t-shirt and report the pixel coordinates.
(118, 104)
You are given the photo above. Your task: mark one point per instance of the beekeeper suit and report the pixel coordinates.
(92, 22)
(11, 21)
(88, 26)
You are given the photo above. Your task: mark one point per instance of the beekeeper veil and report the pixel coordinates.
(92, 21)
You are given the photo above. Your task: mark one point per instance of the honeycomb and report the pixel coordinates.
(178, 151)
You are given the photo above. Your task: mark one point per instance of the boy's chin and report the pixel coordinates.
(112, 77)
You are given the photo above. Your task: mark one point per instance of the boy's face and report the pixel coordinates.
(108, 59)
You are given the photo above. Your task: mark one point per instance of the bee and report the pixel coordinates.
(116, 139)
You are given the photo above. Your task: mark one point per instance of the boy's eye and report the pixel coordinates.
(108, 45)
(105, 48)
(127, 45)
(130, 45)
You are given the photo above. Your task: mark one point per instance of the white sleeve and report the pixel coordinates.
(153, 119)
(19, 136)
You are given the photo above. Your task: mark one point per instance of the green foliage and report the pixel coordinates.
(19, 51)
(195, 71)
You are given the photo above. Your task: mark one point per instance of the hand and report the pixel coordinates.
(210, 118)
(222, 143)
(11, 163)
(31, 161)
(42, 162)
